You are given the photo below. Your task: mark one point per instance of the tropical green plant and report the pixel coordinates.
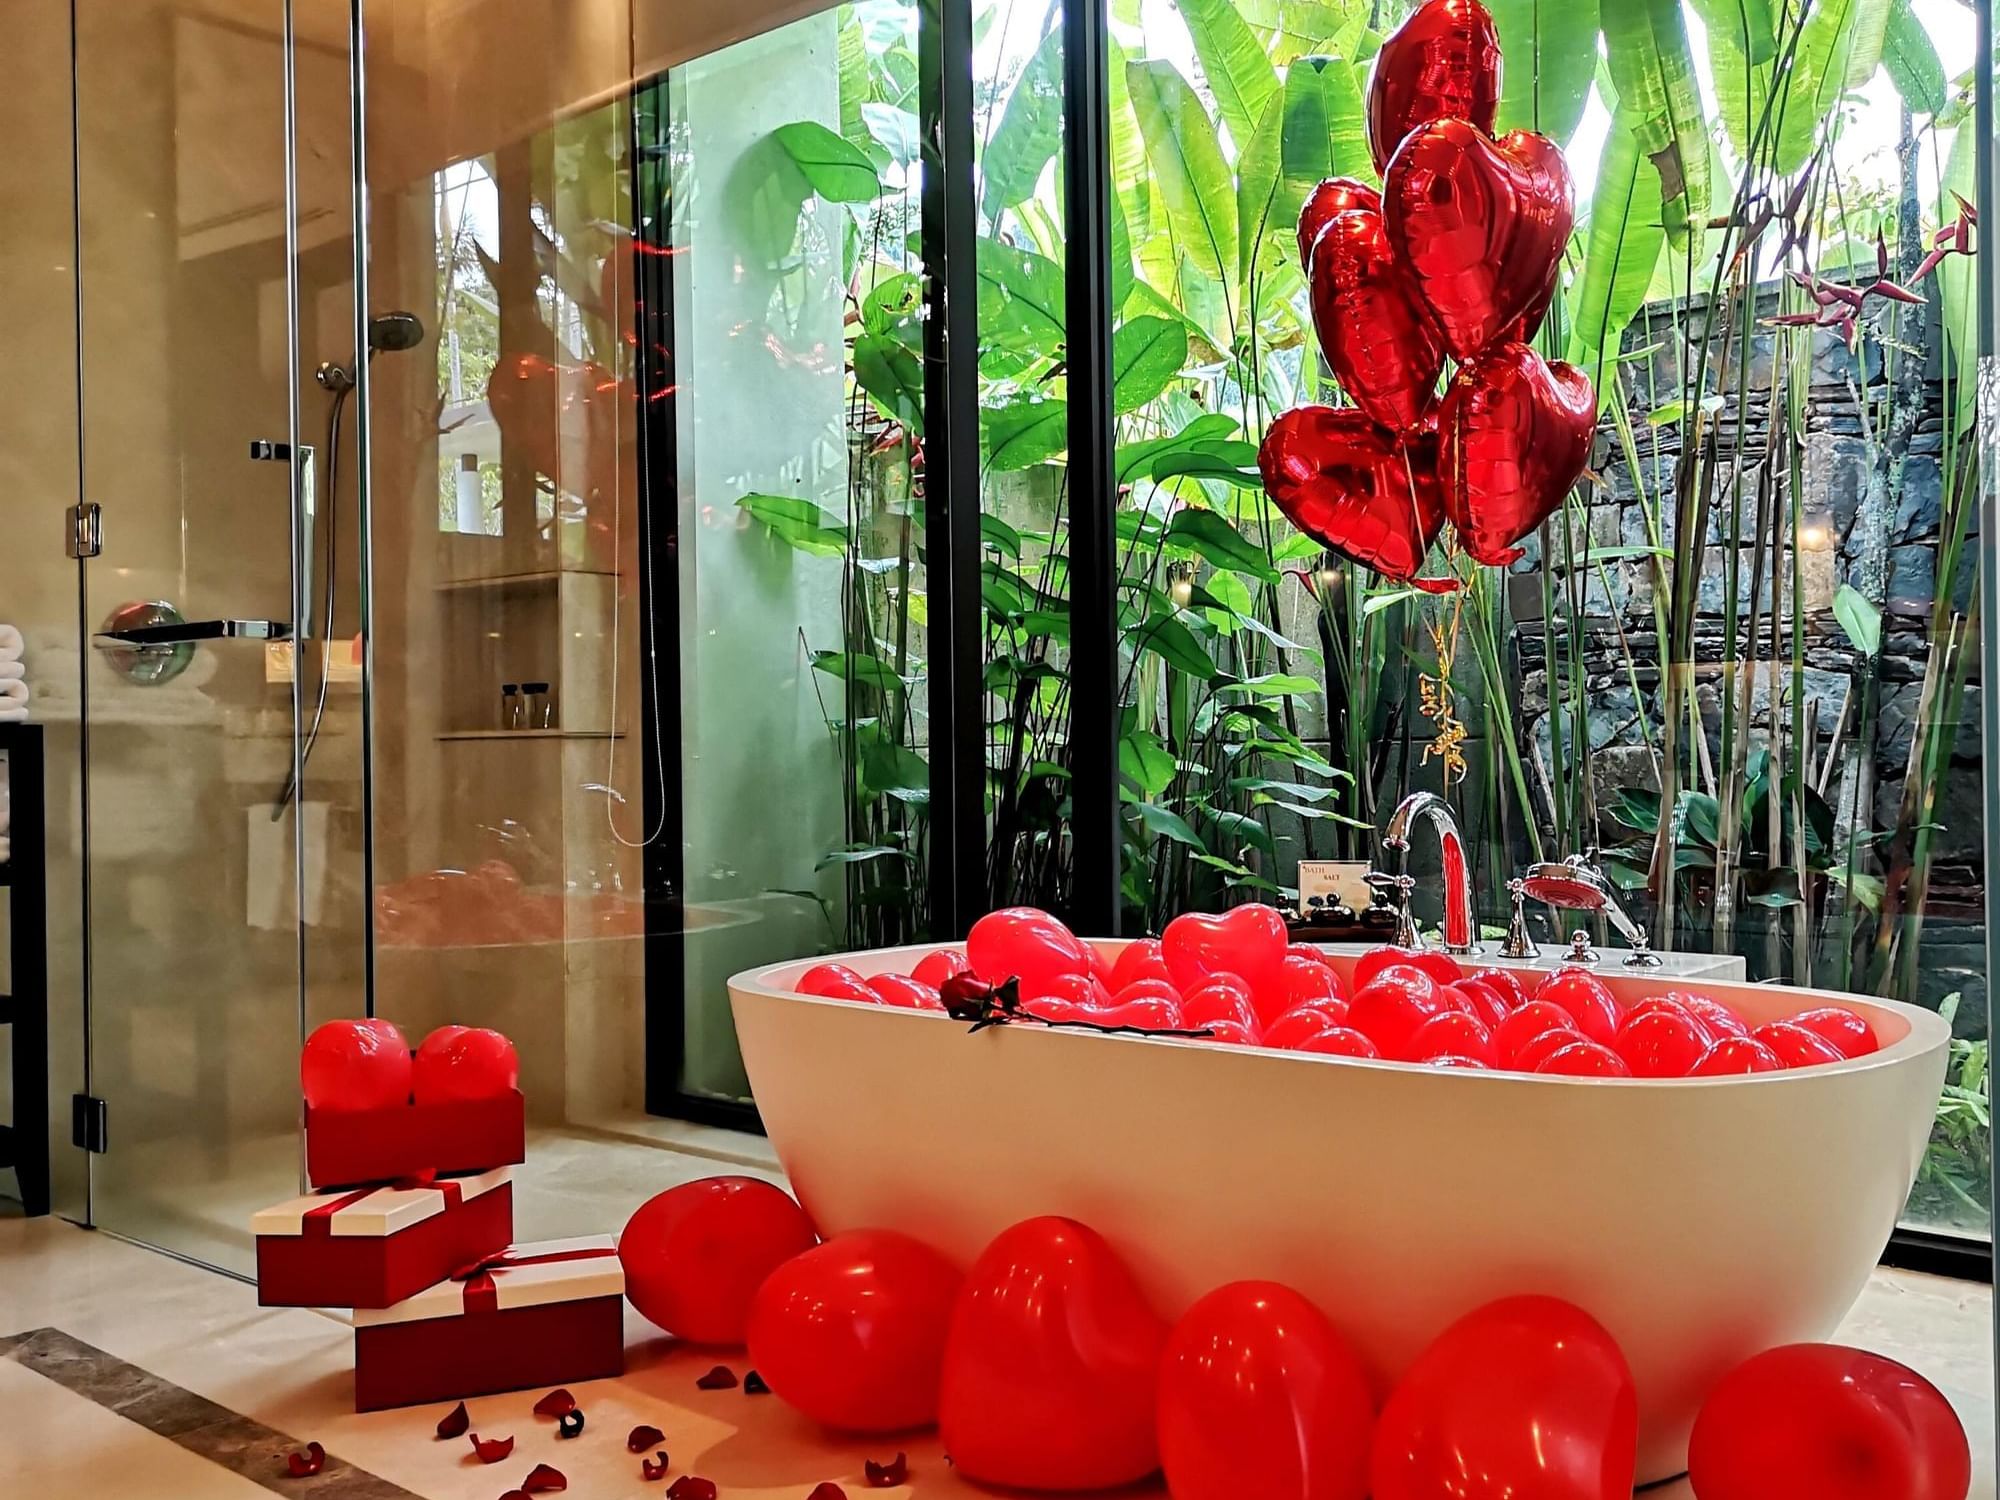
(1274, 693)
(1954, 1183)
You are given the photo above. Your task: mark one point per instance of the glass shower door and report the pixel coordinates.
(197, 251)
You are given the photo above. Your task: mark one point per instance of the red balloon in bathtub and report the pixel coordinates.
(464, 1062)
(852, 1332)
(1537, 1018)
(1248, 941)
(355, 1065)
(1840, 1028)
(1262, 1399)
(1797, 1047)
(1051, 1365)
(1300, 981)
(1290, 1033)
(1588, 1001)
(1824, 1422)
(1661, 1043)
(1084, 990)
(1506, 984)
(1452, 1033)
(695, 1255)
(1140, 959)
(935, 968)
(1736, 1054)
(1390, 1008)
(1147, 1012)
(1221, 1000)
(904, 992)
(1720, 1020)
(835, 982)
(1525, 1399)
(1371, 965)
(1024, 943)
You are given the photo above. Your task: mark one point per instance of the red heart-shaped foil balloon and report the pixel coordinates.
(1480, 226)
(1513, 435)
(1050, 1364)
(1371, 327)
(1352, 485)
(1334, 196)
(1442, 63)
(1247, 941)
(1525, 1399)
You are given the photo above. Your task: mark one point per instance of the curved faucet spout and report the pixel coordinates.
(1458, 928)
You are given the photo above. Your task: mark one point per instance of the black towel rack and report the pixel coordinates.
(24, 1006)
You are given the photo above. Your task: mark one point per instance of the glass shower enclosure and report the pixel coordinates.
(344, 335)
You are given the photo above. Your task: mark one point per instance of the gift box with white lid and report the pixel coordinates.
(537, 1314)
(373, 1247)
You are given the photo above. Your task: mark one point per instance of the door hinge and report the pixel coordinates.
(86, 530)
(89, 1127)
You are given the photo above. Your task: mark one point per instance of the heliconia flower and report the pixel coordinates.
(1889, 289)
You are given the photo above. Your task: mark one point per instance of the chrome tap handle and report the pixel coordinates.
(1519, 944)
(1399, 888)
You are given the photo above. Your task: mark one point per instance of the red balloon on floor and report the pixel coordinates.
(695, 1255)
(1261, 1397)
(1824, 1422)
(1525, 1399)
(852, 1332)
(1051, 1365)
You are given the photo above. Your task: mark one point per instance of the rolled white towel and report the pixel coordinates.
(12, 670)
(11, 644)
(13, 700)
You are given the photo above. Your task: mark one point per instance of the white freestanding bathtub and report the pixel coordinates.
(1700, 1220)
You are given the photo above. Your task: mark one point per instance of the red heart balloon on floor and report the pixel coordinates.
(1513, 436)
(1350, 484)
(1334, 196)
(1371, 327)
(1442, 63)
(1823, 1422)
(1526, 1399)
(852, 1331)
(1480, 226)
(1260, 1396)
(1248, 941)
(1051, 1364)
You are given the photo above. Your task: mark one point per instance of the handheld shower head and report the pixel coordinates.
(393, 332)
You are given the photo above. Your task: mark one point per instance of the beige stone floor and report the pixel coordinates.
(290, 1369)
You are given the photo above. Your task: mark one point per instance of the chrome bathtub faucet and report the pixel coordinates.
(1459, 933)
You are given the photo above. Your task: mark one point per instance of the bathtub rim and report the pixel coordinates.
(1927, 1032)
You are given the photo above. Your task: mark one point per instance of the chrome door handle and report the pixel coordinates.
(186, 631)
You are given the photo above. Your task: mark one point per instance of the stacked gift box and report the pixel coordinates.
(411, 1224)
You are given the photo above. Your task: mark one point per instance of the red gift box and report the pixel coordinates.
(375, 1246)
(380, 1145)
(535, 1315)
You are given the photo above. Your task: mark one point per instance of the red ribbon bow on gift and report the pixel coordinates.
(318, 1222)
(482, 1294)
